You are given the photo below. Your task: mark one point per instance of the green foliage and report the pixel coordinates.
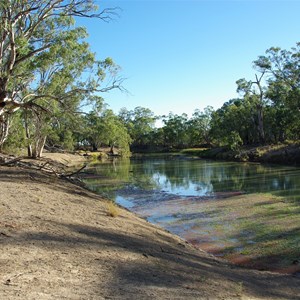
(200, 126)
(43, 59)
(283, 90)
(234, 141)
(140, 125)
(44, 87)
(114, 133)
(236, 115)
(176, 131)
(16, 141)
(104, 128)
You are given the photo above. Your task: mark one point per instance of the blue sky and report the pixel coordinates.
(179, 56)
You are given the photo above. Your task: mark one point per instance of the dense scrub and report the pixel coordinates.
(281, 153)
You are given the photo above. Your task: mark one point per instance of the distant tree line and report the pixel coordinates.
(51, 82)
(267, 112)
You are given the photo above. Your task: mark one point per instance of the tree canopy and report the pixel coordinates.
(43, 57)
(48, 74)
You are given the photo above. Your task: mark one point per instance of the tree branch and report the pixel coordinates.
(32, 53)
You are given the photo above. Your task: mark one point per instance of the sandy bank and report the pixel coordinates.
(58, 242)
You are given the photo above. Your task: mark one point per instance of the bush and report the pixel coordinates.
(234, 141)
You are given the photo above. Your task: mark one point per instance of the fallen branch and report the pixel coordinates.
(11, 161)
(74, 173)
(48, 166)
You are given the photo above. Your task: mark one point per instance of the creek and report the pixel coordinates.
(189, 197)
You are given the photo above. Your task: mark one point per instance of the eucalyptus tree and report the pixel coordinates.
(38, 44)
(104, 128)
(200, 125)
(282, 68)
(140, 124)
(59, 78)
(233, 123)
(176, 133)
(114, 133)
(255, 92)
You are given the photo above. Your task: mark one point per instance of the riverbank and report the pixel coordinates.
(258, 231)
(288, 154)
(59, 241)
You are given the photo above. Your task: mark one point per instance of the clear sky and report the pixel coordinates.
(179, 56)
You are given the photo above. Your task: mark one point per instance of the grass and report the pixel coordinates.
(239, 288)
(112, 209)
(96, 156)
(261, 229)
(194, 151)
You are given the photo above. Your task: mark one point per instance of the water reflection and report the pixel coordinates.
(193, 199)
(123, 179)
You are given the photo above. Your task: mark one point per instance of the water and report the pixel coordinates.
(129, 182)
(186, 197)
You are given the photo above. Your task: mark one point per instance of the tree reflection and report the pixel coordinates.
(194, 177)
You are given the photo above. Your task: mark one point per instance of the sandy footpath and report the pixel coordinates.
(57, 241)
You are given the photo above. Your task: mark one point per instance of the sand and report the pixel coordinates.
(58, 241)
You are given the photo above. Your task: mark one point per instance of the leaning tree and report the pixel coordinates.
(37, 67)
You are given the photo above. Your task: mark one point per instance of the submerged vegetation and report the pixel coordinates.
(247, 213)
(257, 230)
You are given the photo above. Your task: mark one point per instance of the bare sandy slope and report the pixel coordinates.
(58, 242)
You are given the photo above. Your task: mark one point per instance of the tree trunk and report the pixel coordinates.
(29, 150)
(41, 146)
(112, 150)
(38, 147)
(27, 133)
(4, 127)
(3, 84)
(259, 108)
(260, 120)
